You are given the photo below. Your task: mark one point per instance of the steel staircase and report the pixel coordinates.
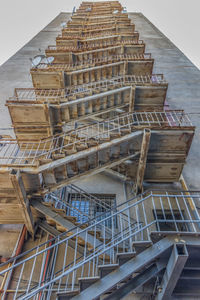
(98, 106)
(114, 260)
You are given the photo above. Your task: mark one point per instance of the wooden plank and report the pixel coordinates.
(18, 185)
(142, 161)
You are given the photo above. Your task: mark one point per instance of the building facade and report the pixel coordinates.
(93, 191)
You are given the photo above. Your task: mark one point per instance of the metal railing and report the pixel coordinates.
(86, 33)
(27, 154)
(95, 45)
(105, 44)
(155, 212)
(95, 25)
(77, 202)
(105, 25)
(88, 63)
(51, 94)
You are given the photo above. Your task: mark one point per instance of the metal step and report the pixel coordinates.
(106, 269)
(122, 258)
(84, 283)
(141, 245)
(67, 295)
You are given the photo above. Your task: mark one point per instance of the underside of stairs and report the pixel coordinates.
(96, 106)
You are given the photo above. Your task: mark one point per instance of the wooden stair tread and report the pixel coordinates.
(70, 218)
(48, 204)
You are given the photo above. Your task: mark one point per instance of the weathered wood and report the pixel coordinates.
(18, 185)
(142, 161)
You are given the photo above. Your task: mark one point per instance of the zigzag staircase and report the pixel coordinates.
(96, 106)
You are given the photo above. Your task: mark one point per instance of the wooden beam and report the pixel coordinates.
(18, 185)
(116, 174)
(132, 99)
(142, 161)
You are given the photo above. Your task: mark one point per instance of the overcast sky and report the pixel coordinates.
(179, 20)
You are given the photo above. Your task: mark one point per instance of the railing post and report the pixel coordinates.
(142, 161)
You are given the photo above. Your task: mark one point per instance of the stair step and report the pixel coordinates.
(43, 161)
(141, 246)
(58, 156)
(60, 211)
(102, 239)
(50, 221)
(61, 228)
(81, 147)
(71, 218)
(114, 135)
(104, 257)
(48, 204)
(125, 131)
(82, 226)
(67, 295)
(92, 232)
(123, 257)
(84, 283)
(92, 143)
(106, 269)
(70, 151)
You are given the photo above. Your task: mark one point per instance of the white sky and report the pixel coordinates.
(179, 20)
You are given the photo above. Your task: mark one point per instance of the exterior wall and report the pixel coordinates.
(184, 91)
(184, 85)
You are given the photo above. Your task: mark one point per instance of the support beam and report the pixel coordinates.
(48, 228)
(142, 161)
(132, 99)
(93, 97)
(173, 271)
(116, 174)
(20, 192)
(136, 282)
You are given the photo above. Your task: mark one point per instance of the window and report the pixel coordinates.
(84, 207)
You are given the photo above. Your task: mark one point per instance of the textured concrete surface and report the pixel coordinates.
(14, 73)
(182, 75)
(184, 85)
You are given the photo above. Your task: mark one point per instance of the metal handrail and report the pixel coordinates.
(31, 94)
(184, 218)
(92, 62)
(14, 153)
